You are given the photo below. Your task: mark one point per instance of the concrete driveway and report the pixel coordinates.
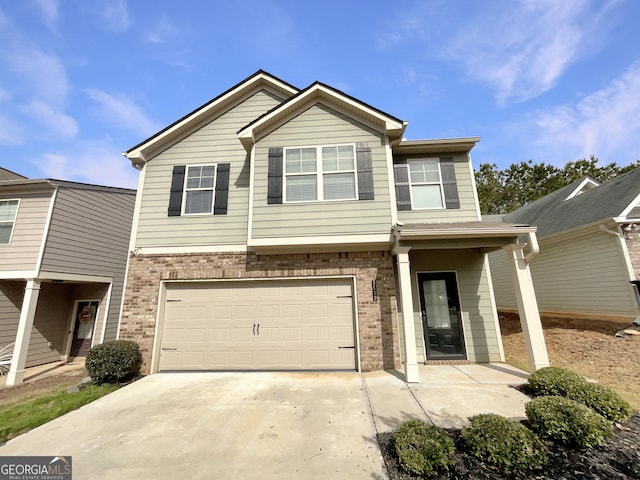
(260, 425)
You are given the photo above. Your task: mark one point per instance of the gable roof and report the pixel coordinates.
(9, 175)
(556, 213)
(140, 153)
(51, 183)
(314, 93)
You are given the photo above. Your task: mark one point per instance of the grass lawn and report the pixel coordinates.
(22, 417)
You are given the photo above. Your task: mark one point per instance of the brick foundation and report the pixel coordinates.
(633, 245)
(377, 320)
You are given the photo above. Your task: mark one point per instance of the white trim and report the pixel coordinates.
(393, 201)
(162, 294)
(322, 240)
(137, 207)
(15, 219)
(107, 304)
(578, 189)
(186, 190)
(45, 232)
(18, 275)
(465, 232)
(472, 174)
(169, 250)
(464, 333)
(71, 277)
(252, 184)
(634, 203)
(494, 308)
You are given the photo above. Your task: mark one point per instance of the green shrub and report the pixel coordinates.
(603, 400)
(559, 381)
(423, 448)
(114, 361)
(503, 442)
(567, 421)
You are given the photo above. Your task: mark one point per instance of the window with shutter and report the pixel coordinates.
(425, 183)
(199, 190)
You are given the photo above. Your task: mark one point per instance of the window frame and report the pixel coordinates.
(186, 189)
(13, 222)
(320, 173)
(439, 183)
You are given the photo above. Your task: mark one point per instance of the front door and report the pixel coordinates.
(85, 323)
(441, 319)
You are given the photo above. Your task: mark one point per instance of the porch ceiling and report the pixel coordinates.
(486, 235)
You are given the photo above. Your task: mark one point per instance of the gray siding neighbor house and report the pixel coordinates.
(279, 228)
(589, 262)
(63, 254)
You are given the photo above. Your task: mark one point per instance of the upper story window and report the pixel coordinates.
(426, 183)
(8, 212)
(320, 173)
(199, 189)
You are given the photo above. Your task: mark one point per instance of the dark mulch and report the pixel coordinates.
(619, 458)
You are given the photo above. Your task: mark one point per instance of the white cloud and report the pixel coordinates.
(43, 71)
(115, 15)
(4, 95)
(162, 31)
(58, 122)
(122, 111)
(49, 10)
(92, 163)
(605, 123)
(10, 132)
(521, 50)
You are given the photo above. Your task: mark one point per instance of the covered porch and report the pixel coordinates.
(445, 295)
(47, 321)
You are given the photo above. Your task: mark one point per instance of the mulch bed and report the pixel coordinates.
(618, 458)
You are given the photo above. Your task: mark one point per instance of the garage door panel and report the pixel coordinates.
(302, 325)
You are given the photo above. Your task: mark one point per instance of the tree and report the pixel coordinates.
(503, 191)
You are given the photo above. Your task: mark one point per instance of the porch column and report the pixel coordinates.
(527, 308)
(21, 348)
(411, 373)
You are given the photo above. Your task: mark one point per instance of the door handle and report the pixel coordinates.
(258, 329)
(254, 328)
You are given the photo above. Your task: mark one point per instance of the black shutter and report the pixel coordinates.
(365, 171)
(403, 193)
(175, 194)
(274, 188)
(449, 185)
(222, 189)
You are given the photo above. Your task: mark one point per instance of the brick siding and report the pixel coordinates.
(378, 328)
(633, 245)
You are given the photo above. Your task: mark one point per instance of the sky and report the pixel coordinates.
(551, 81)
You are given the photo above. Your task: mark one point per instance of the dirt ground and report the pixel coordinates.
(589, 347)
(42, 386)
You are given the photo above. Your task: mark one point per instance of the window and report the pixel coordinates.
(320, 173)
(199, 188)
(426, 183)
(8, 211)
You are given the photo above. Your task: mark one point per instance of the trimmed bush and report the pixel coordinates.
(114, 361)
(549, 381)
(603, 400)
(503, 442)
(567, 421)
(423, 448)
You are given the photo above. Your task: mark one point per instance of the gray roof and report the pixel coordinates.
(553, 214)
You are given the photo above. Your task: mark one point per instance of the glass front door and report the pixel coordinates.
(441, 319)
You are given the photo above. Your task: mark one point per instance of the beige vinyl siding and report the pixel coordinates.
(582, 275)
(478, 315)
(467, 211)
(321, 125)
(502, 281)
(52, 315)
(216, 142)
(22, 253)
(89, 235)
(11, 295)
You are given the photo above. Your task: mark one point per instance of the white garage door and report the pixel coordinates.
(259, 325)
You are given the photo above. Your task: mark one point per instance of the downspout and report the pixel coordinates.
(534, 248)
(611, 232)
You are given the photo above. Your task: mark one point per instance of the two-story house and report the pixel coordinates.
(63, 255)
(278, 228)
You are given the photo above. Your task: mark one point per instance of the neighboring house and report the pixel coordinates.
(9, 175)
(589, 250)
(278, 228)
(63, 254)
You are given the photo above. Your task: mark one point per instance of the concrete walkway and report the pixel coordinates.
(261, 425)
